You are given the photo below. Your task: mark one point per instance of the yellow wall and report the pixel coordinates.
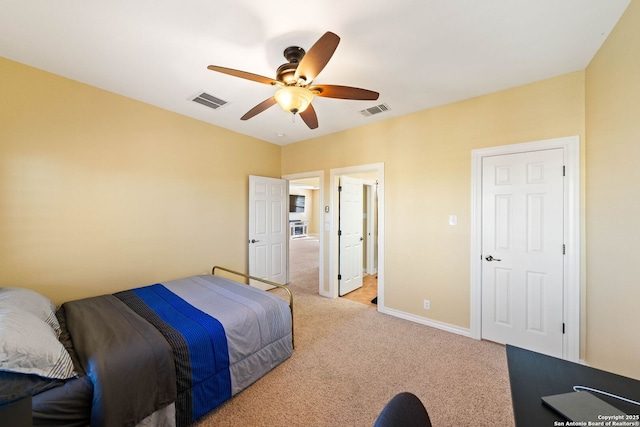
(613, 199)
(99, 192)
(314, 221)
(427, 161)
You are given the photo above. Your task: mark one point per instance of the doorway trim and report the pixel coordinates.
(333, 235)
(572, 291)
(370, 208)
(320, 210)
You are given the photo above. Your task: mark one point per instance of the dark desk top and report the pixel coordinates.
(533, 375)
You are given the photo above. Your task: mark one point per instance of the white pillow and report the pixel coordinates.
(33, 302)
(28, 345)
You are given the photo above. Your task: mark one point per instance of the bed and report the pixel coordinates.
(163, 354)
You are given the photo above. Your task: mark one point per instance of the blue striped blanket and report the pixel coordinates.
(199, 348)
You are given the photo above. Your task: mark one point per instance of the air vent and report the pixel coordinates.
(375, 110)
(209, 100)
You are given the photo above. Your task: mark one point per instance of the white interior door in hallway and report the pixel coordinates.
(268, 229)
(523, 249)
(350, 234)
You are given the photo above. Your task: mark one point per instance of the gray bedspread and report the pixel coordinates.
(127, 359)
(257, 323)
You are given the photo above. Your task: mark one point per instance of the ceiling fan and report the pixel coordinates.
(295, 81)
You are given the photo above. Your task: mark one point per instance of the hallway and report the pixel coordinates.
(303, 266)
(367, 292)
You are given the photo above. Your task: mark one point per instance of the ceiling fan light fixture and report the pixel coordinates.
(294, 99)
(294, 79)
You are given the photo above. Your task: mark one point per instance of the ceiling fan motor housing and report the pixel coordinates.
(286, 72)
(294, 54)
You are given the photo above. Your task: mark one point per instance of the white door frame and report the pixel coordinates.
(320, 210)
(370, 188)
(572, 294)
(333, 235)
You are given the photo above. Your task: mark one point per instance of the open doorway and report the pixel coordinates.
(365, 291)
(306, 207)
(373, 227)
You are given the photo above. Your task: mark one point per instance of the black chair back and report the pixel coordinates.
(403, 410)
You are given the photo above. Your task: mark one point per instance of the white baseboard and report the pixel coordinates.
(439, 325)
(428, 322)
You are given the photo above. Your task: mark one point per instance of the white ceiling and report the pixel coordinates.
(417, 54)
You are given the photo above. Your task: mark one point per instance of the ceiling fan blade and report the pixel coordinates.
(317, 57)
(243, 74)
(259, 108)
(344, 92)
(309, 117)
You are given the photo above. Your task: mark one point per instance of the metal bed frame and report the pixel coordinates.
(265, 281)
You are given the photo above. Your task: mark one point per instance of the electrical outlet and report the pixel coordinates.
(427, 304)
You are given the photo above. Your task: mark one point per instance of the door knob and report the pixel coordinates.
(491, 258)
(253, 241)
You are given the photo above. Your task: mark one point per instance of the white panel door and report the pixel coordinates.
(350, 234)
(522, 250)
(268, 228)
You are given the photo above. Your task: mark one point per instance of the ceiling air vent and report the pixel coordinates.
(209, 100)
(375, 110)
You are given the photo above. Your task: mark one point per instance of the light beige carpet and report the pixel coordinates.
(350, 360)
